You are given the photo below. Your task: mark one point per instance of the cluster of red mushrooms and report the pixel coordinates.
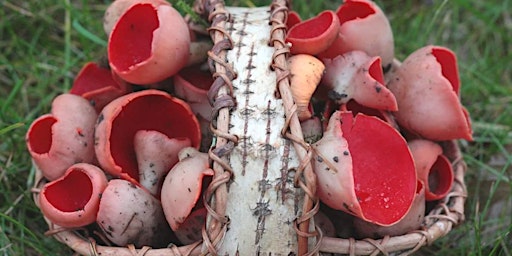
(124, 150)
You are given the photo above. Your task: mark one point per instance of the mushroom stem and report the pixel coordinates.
(156, 155)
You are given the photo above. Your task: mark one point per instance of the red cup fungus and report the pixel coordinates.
(182, 186)
(97, 85)
(411, 221)
(355, 75)
(365, 168)
(363, 27)
(426, 87)
(73, 199)
(432, 168)
(150, 42)
(119, 7)
(314, 35)
(147, 110)
(66, 136)
(130, 215)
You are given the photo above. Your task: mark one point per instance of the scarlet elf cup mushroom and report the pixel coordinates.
(65, 137)
(98, 85)
(314, 35)
(427, 90)
(73, 199)
(147, 110)
(149, 42)
(182, 188)
(363, 27)
(365, 168)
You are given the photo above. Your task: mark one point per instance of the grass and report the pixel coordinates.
(44, 43)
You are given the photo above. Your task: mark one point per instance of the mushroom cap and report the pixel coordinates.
(97, 85)
(73, 199)
(147, 110)
(426, 87)
(363, 27)
(130, 215)
(182, 187)
(158, 45)
(118, 7)
(365, 169)
(156, 155)
(314, 35)
(66, 136)
(356, 75)
(306, 72)
(434, 170)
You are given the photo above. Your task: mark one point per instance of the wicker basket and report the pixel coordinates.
(448, 213)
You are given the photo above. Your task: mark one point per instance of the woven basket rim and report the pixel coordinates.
(438, 222)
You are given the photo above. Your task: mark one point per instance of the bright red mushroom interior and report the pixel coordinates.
(71, 193)
(313, 27)
(440, 176)
(354, 10)
(197, 77)
(384, 175)
(131, 39)
(376, 71)
(448, 64)
(40, 135)
(92, 78)
(150, 112)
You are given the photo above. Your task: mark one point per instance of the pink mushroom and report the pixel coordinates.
(433, 168)
(129, 215)
(97, 85)
(148, 116)
(365, 168)
(363, 27)
(156, 154)
(314, 35)
(355, 75)
(150, 42)
(426, 87)
(182, 186)
(73, 199)
(65, 137)
(119, 7)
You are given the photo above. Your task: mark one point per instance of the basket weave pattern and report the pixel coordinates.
(438, 222)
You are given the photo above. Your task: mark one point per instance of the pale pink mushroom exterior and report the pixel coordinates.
(314, 35)
(426, 87)
(130, 215)
(73, 199)
(426, 153)
(65, 137)
(168, 50)
(371, 33)
(333, 167)
(118, 7)
(182, 186)
(356, 75)
(145, 110)
(156, 155)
